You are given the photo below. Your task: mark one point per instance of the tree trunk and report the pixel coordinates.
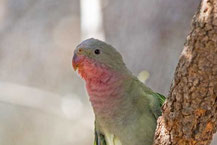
(190, 112)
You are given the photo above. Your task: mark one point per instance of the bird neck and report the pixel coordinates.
(106, 92)
(105, 86)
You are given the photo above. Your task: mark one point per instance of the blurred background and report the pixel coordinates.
(42, 100)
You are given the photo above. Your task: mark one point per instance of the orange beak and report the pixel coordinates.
(76, 60)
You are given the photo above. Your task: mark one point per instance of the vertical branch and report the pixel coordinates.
(190, 112)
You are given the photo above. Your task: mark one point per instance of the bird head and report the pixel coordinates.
(92, 57)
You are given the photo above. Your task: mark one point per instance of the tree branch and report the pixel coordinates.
(190, 112)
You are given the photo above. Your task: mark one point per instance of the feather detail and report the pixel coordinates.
(126, 110)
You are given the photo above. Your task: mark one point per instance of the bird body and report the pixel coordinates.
(125, 109)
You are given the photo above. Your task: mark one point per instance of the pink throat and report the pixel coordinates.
(103, 86)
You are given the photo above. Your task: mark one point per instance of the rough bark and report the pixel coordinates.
(190, 112)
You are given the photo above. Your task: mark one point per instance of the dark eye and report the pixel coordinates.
(79, 50)
(97, 51)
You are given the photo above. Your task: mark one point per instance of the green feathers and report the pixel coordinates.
(161, 98)
(99, 139)
(126, 110)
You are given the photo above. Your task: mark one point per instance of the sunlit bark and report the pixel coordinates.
(190, 112)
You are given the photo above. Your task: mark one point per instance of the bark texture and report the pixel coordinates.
(190, 112)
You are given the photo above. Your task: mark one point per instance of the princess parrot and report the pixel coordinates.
(126, 111)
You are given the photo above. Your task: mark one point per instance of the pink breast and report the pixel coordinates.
(102, 83)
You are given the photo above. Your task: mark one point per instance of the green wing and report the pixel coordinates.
(161, 98)
(105, 138)
(156, 104)
(99, 137)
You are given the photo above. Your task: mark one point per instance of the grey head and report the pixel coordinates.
(102, 53)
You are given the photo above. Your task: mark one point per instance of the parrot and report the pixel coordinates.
(126, 110)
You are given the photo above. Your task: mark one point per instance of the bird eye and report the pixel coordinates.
(97, 51)
(79, 50)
